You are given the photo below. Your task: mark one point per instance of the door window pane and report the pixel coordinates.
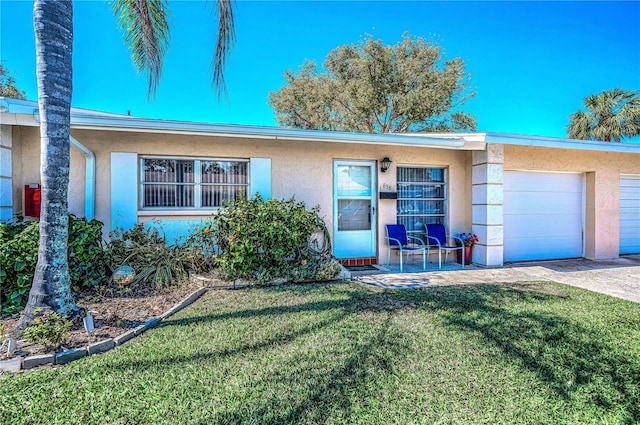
(354, 180)
(354, 214)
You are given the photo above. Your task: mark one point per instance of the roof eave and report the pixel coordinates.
(559, 143)
(79, 121)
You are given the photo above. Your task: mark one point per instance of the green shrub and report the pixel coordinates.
(200, 249)
(267, 240)
(19, 256)
(148, 253)
(47, 329)
(315, 269)
(88, 265)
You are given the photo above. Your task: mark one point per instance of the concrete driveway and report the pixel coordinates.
(619, 278)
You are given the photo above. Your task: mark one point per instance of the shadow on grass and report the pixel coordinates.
(580, 364)
(277, 339)
(332, 393)
(352, 301)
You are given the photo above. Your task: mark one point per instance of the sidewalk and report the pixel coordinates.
(619, 278)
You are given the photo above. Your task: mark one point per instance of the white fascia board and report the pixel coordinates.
(28, 107)
(553, 142)
(467, 137)
(79, 121)
(25, 120)
(25, 112)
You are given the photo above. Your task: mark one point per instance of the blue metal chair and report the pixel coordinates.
(398, 240)
(437, 238)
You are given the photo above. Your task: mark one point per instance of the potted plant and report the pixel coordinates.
(468, 240)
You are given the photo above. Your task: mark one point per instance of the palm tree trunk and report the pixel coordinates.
(53, 25)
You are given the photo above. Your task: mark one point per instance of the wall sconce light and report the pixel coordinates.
(385, 164)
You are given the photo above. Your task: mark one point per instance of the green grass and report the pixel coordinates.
(343, 353)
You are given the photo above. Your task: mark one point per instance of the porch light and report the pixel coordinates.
(386, 163)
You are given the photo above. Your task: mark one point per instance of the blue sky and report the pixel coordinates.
(531, 63)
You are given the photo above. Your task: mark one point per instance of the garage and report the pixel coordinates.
(543, 215)
(629, 214)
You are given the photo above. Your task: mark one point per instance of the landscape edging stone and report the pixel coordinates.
(101, 347)
(19, 363)
(68, 356)
(37, 361)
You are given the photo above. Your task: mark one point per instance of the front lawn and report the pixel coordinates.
(344, 353)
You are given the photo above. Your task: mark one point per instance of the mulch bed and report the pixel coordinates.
(114, 313)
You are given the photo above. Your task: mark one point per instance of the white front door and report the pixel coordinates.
(354, 209)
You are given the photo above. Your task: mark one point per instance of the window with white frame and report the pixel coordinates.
(422, 197)
(182, 183)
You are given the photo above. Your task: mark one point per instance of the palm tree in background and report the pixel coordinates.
(611, 116)
(145, 25)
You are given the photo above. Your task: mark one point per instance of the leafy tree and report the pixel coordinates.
(610, 116)
(7, 85)
(377, 88)
(146, 29)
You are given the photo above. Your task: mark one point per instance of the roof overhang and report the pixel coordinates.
(554, 142)
(25, 113)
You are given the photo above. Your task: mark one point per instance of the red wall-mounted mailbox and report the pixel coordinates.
(32, 200)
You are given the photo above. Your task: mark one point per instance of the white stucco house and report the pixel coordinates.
(526, 197)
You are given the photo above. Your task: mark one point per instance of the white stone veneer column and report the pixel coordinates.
(6, 183)
(487, 205)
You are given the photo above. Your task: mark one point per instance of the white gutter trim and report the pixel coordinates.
(14, 112)
(270, 133)
(552, 142)
(138, 125)
(90, 178)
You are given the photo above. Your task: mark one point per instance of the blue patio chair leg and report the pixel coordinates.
(439, 259)
(400, 260)
(424, 260)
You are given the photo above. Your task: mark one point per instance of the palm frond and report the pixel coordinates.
(145, 26)
(226, 40)
(610, 116)
(579, 126)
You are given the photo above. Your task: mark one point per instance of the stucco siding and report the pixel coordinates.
(77, 183)
(26, 169)
(300, 169)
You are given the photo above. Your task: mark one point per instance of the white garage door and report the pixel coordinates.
(543, 215)
(629, 214)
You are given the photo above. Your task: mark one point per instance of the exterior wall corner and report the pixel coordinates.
(487, 199)
(6, 173)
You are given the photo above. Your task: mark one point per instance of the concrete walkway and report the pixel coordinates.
(619, 278)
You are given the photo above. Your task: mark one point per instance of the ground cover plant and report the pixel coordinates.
(147, 252)
(47, 329)
(345, 353)
(19, 255)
